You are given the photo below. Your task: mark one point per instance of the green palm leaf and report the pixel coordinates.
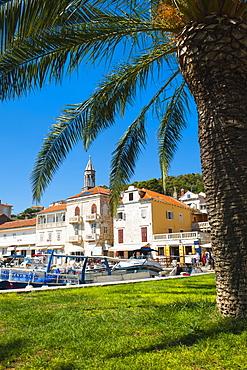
(172, 124)
(85, 121)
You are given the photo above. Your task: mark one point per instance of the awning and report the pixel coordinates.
(74, 248)
(123, 248)
(208, 245)
(27, 248)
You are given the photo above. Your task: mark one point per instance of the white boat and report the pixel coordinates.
(139, 264)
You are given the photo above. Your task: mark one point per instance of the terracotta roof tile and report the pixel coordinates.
(58, 207)
(19, 223)
(161, 197)
(93, 191)
(3, 204)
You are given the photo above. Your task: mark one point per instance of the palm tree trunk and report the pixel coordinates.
(213, 60)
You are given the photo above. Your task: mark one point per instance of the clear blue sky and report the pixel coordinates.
(25, 122)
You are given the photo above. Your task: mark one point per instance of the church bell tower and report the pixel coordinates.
(89, 176)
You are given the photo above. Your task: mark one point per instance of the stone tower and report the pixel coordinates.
(89, 176)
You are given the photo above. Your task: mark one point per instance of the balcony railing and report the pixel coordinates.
(50, 225)
(201, 226)
(75, 238)
(92, 217)
(75, 220)
(92, 237)
(177, 236)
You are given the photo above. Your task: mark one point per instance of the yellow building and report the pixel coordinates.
(145, 217)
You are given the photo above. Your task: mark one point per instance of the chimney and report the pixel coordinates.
(175, 194)
(182, 192)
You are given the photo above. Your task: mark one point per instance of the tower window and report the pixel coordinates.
(94, 208)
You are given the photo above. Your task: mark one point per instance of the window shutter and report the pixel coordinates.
(120, 236)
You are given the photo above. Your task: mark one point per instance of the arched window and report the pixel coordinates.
(77, 211)
(94, 208)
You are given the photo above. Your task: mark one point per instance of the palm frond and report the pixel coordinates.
(124, 158)
(129, 147)
(59, 142)
(85, 121)
(45, 56)
(172, 124)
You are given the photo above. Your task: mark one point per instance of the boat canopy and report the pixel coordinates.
(145, 250)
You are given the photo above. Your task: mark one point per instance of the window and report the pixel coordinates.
(161, 251)
(41, 237)
(143, 213)
(93, 227)
(77, 211)
(58, 235)
(4, 236)
(170, 215)
(131, 196)
(76, 229)
(49, 237)
(180, 217)
(121, 216)
(14, 235)
(105, 209)
(94, 209)
(170, 231)
(203, 206)
(144, 234)
(120, 236)
(105, 230)
(188, 196)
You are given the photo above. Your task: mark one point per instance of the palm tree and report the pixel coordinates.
(204, 44)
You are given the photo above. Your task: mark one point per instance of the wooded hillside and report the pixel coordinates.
(190, 182)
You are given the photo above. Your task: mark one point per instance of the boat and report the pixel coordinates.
(29, 274)
(140, 263)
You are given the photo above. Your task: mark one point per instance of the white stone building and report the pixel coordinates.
(194, 201)
(18, 237)
(51, 228)
(142, 214)
(5, 209)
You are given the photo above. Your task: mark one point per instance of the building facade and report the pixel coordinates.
(5, 209)
(143, 214)
(18, 237)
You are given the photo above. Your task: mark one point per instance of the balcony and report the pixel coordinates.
(201, 226)
(50, 225)
(177, 236)
(92, 217)
(75, 239)
(92, 237)
(75, 220)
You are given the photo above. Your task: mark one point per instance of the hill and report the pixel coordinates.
(190, 182)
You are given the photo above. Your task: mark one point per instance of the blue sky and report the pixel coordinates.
(25, 122)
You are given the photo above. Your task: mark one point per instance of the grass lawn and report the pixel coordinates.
(169, 324)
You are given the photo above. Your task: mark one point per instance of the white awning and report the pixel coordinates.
(123, 248)
(27, 248)
(208, 245)
(74, 248)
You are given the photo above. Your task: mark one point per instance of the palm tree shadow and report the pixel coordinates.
(10, 348)
(228, 325)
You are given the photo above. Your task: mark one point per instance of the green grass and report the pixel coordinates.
(169, 324)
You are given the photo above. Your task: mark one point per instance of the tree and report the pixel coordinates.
(204, 44)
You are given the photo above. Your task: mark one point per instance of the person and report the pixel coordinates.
(203, 260)
(197, 257)
(210, 261)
